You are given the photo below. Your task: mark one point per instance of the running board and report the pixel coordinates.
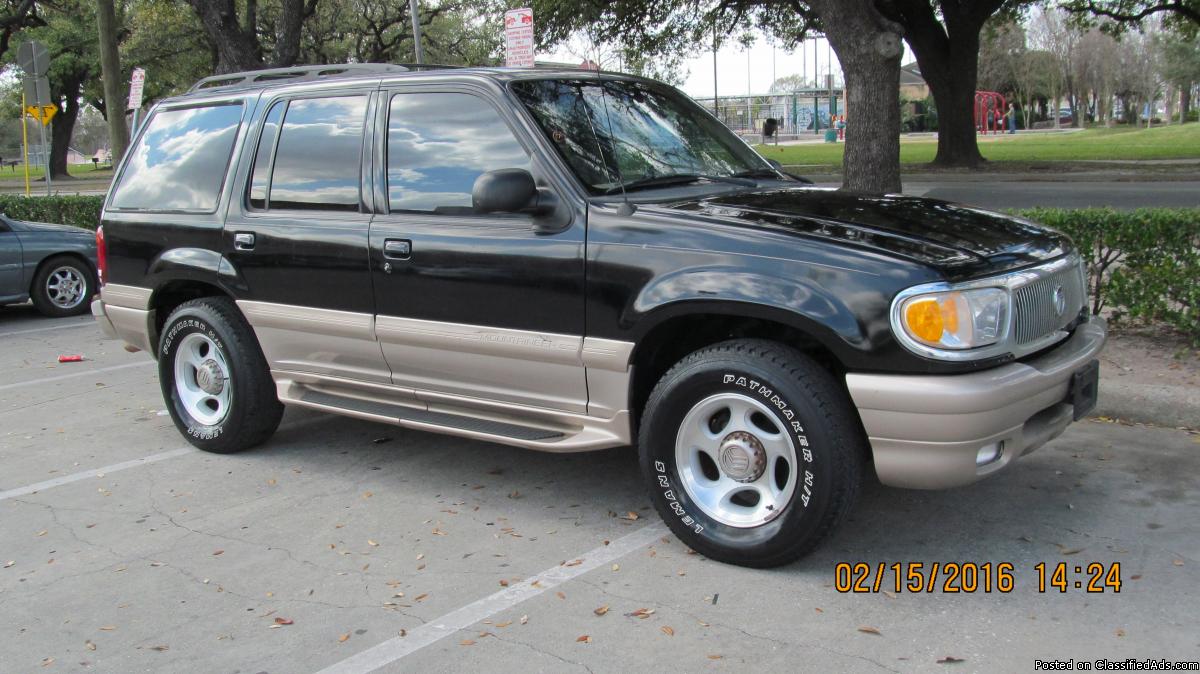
(507, 423)
(400, 414)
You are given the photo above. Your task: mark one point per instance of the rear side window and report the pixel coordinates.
(180, 162)
(318, 158)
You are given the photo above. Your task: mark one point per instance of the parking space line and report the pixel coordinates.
(393, 649)
(105, 470)
(133, 463)
(75, 375)
(48, 328)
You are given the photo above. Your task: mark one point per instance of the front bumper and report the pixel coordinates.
(927, 431)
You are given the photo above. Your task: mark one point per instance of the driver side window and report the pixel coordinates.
(438, 144)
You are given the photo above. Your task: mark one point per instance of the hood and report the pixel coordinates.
(959, 240)
(26, 226)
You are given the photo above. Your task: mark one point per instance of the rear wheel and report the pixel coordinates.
(751, 451)
(214, 378)
(63, 286)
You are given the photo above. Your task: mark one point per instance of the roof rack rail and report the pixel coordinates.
(297, 74)
(428, 66)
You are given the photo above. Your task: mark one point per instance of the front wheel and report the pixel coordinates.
(752, 452)
(214, 378)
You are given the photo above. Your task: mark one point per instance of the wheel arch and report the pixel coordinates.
(683, 327)
(172, 293)
(74, 255)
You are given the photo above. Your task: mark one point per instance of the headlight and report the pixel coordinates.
(955, 319)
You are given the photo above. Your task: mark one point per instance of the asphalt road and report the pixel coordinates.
(346, 546)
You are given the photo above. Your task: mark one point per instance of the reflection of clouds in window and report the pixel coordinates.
(318, 164)
(262, 158)
(438, 144)
(181, 160)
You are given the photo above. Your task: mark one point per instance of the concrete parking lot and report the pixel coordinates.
(346, 546)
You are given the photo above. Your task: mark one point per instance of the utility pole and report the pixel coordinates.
(110, 73)
(418, 53)
(716, 100)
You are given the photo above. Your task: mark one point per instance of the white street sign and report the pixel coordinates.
(136, 81)
(518, 35)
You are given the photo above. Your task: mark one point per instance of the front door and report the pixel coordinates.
(478, 307)
(298, 239)
(12, 281)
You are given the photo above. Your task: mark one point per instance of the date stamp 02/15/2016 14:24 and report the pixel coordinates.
(972, 577)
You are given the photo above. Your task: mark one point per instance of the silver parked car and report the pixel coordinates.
(54, 265)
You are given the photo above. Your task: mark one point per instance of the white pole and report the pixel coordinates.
(416, 23)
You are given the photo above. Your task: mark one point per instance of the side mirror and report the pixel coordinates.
(509, 190)
(775, 164)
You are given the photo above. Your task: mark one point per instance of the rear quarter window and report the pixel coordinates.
(179, 163)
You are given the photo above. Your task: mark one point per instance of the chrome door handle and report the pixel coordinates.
(243, 241)
(397, 249)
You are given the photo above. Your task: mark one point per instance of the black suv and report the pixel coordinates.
(567, 261)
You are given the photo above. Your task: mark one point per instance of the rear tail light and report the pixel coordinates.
(101, 255)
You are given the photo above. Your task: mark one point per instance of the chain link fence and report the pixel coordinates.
(796, 114)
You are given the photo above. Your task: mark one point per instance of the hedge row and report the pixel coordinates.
(1142, 264)
(81, 211)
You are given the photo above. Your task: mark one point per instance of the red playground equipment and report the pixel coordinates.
(990, 108)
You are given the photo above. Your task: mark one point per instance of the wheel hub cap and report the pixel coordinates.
(742, 456)
(210, 378)
(736, 463)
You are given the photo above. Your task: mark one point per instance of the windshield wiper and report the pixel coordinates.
(676, 179)
(772, 173)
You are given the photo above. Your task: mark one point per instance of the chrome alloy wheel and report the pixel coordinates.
(65, 287)
(202, 379)
(735, 460)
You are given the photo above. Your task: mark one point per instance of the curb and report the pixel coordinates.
(1154, 404)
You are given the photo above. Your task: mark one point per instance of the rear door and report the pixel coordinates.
(298, 237)
(471, 306)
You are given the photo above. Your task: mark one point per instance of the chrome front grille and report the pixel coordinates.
(1037, 310)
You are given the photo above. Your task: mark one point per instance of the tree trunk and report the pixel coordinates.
(869, 48)
(287, 44)
(64, 126)
(1185, 102)
(237, 47)
(952, 78)
(110, 68)
(947, 51)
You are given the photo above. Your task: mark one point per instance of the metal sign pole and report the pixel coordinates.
(25, 142)
(46, 156)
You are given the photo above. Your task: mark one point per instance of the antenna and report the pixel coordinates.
(626, 208)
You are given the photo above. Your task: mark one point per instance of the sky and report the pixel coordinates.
(735, 67)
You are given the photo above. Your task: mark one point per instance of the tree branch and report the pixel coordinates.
(1177, 6)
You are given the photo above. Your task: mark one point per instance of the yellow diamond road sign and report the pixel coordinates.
(42, 113)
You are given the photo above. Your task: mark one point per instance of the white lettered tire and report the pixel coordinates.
(214, 378)
(751, 452)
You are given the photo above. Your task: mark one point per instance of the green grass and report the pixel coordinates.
(9, 175)
(1166, 142)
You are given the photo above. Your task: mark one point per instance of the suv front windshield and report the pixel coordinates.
(625, 134)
